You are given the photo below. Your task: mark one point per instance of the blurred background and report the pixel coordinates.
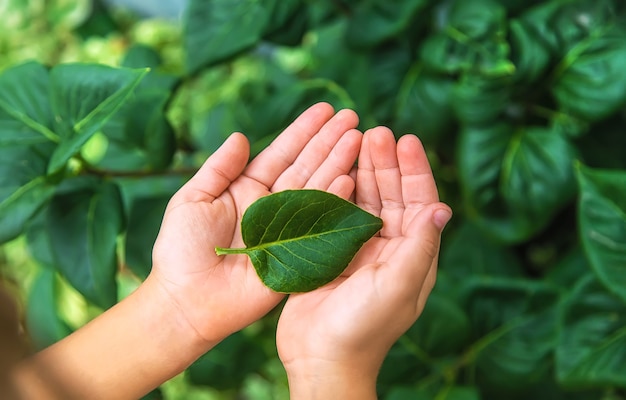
(521, 106)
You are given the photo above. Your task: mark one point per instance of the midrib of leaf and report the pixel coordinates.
(616, 336)
(20, 191)
(575, 52)
(122, 93)
(31, 123)
(264, 246)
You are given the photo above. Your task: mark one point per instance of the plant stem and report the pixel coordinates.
(220, 251)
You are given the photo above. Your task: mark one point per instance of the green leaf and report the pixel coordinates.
(515, 180)
(299, 240)
(477, 100)
(470, 37)
(592, 343)
(83, 221)
(144, 222)
(537, 172)
(602, 225)
(516, 321)
(423, 106)
(443, 328)
(23, 187)
(229, 363)
(210, 34)
(138, 137)
(288, 21)
(530, 55)
(141, 56)
(25, 113)
(591, 83)
(375, 21)
(84, 97)
(470, 254)
(42, 317)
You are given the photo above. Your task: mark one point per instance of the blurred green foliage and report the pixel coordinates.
(521, 105)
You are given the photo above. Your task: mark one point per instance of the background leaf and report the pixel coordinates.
(602, 224)
(592, 343)
(83, 98)
(43, 323)
(83, 221)
(23, 187)
(25, 113)
(229, 363)
(143, 227)
(209, 34)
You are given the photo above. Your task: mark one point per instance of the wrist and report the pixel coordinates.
(324, 379)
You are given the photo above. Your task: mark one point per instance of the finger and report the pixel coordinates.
(219, 170)
(366, 195)
(388, 178)
(418, 184)
(317, 151)
(284, 150)
(342, 186)
(339, 162)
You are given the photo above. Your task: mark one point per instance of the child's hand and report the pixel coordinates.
(220, 295)
(333, 340)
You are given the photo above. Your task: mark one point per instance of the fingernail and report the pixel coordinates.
(441, 218)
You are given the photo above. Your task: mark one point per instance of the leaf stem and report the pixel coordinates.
(220, 251)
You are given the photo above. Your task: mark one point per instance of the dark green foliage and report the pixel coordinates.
(521, 106)
(228, 364)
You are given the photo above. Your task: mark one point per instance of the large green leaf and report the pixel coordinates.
(299, 240)
(25, 113)
(591, 82)
(515, 180)
(84, 97)
(42, 316)
(23, 187)
(602, 225)
(211, 35)
(592, 344)
(84, 219)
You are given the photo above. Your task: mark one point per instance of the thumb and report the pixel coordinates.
(420, 247)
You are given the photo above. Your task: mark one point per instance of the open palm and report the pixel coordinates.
(316, 151)
(356, 318)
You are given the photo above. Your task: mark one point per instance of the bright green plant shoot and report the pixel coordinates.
(299, 240)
